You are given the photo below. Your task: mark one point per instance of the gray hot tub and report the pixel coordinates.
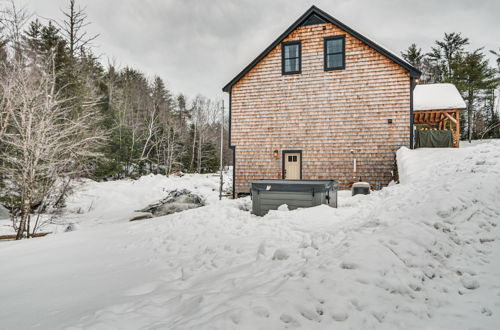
(269, 194)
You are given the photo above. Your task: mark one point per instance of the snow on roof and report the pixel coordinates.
(437, 97)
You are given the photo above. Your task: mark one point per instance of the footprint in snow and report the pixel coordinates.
(379, 316)
(280, 254)
(486, 311)
(261, 311)
(348, 265)
(310, 315)
(142, 289)
(235, 317)
(339, 316)
(289, 320)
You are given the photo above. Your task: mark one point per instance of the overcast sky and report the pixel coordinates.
(197, 46)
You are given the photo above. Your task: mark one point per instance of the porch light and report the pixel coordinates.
(275, 153)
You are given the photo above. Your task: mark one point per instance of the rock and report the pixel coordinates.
(176, 201)
(178, 174)
(142, 216)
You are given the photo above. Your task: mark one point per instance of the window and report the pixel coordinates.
(335, 53)
(292, 159)
(290, 53)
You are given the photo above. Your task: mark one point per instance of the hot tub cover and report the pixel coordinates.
(294, 185)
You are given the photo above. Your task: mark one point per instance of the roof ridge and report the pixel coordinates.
(414, 72)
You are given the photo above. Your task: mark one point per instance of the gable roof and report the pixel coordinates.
(314, 15)
(437, 97)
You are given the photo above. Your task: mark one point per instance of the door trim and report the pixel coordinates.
(283, 152)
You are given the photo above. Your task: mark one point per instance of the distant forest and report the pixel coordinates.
(144, 127)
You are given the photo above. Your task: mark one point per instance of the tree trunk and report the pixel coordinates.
(25, 211)
(28, 223)
(199, 153)
(191, 166)
(469, 116)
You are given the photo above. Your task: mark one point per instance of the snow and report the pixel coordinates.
(437, 97)
(473, 143)
(423, 254)
(115, 201)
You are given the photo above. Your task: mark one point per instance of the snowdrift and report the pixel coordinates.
(423, 254)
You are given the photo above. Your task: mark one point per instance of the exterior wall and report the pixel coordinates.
(324, 114)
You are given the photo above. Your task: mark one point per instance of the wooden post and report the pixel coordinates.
(457, 131)
(221, 151)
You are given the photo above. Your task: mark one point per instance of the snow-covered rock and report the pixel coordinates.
(176, 201)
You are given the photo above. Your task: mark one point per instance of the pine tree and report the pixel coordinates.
(414, 56)
(474, 78)
(182, 111)
(45, 42)
(443, 55)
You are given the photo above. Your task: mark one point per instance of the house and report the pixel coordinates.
(321, 102)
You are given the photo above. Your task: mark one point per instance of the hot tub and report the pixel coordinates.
(269, 194)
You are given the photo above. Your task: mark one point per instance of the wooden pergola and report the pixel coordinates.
(448, 119)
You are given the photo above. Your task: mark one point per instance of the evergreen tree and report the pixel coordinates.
(443, 55)
(45, 41)
(474, 78)
(414, 56)
(209, 159)
(182, 111)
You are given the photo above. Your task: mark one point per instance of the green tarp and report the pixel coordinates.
(434, 139)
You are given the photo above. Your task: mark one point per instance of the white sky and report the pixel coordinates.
(197, 46)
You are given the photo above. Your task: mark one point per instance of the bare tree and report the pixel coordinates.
(73, 28)
(151, 129)
(45, 138)
(12, 21)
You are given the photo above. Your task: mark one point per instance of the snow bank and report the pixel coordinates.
(422, 254)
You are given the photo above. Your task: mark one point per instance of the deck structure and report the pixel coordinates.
(438, 106)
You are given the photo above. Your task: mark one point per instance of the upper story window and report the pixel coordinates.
(290, 57)
(334, 53)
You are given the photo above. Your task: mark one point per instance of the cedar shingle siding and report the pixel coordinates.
(323, 113)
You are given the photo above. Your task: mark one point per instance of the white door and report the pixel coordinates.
(292, 165)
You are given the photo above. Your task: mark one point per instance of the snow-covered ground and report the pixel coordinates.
(423, 254)
(115, 201)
